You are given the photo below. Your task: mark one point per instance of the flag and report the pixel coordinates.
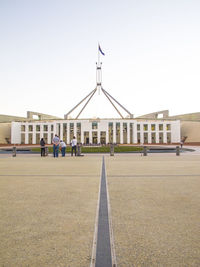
(101, 51)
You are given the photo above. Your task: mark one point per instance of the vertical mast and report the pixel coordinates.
(98, 72)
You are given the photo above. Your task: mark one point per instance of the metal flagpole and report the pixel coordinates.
(98, 72)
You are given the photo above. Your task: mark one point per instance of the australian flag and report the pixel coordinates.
(101, 51)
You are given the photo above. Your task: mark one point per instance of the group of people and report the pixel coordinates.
(59, 145)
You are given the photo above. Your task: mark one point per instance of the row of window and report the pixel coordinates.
(87, 139)
(95, 126)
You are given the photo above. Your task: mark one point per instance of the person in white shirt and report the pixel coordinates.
(56, 142)
(73, 143)
(63, 148)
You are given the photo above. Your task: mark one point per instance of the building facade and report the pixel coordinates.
(97, 131)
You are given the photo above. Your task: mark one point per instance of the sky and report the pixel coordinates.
(49, 49)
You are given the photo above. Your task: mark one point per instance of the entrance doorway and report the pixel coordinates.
(94, 137)
(86, 138)
(103, 138)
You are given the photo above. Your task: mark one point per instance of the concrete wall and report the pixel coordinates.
(191, 129)
(5, 133)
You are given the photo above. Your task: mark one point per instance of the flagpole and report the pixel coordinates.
(98, 71)
(98, 55)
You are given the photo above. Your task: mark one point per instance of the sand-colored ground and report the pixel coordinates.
(48, 208)
(155, 204)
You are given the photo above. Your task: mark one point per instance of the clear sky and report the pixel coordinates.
(48, 54)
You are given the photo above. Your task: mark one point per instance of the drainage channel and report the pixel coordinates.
(103, 245)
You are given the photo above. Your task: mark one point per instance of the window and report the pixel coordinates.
(22, 138)
(131, 133)
(30, 128)
(30, 138)
(153, 127)
(22, 128)
(65, 132)
(145, 127)
(160, 127)
(45, 128)
(168, 126)
(118, 133)
(138, 127)
(78, 135)
(52, 128)
(110, 131)
(37, 128)
(37, 138)
(125, 133)
(71, 131)
(94, 125)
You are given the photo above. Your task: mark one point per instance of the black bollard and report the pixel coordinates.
(14, 151)
(144, 151)
(111, 149)
(79, 150)
(46, 151)
(177, 151)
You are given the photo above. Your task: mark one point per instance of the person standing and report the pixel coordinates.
(73, 143)
(63, 148)
(56, 142)
(42, 146)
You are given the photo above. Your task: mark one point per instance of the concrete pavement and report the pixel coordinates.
(48, 208)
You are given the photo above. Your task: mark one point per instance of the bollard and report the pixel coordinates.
(177, 151)
(144, 151)
(78, 150)
(111, 150)
(46, 151)
(14, 151)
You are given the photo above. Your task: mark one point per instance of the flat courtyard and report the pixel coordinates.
(48, 209)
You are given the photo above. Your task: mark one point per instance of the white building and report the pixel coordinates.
(97, 131)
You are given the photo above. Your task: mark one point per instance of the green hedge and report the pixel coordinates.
(100, 149)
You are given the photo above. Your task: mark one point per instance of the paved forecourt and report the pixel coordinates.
(155, 206)
(48, 209)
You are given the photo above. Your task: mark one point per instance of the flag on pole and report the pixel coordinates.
(101, 51)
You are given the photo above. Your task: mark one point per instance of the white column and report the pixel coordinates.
(75, 129)
(98, 136)
(121, 133)
(68, 133)
(61, 131)
(90, 137)
(82, 133)
(157, 133)
(135, 132)
(142, 133)
(41, 131)
(26, 133)
(34, 133)
(149, 133)
(164, 133)
(128, 132)
(107, 133)
(114, 132)
(49, 134)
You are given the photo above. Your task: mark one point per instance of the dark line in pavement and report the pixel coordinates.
(103, 252)
(156, 175)
(51, 175)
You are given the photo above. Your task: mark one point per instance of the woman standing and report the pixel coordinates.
(42, 146)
